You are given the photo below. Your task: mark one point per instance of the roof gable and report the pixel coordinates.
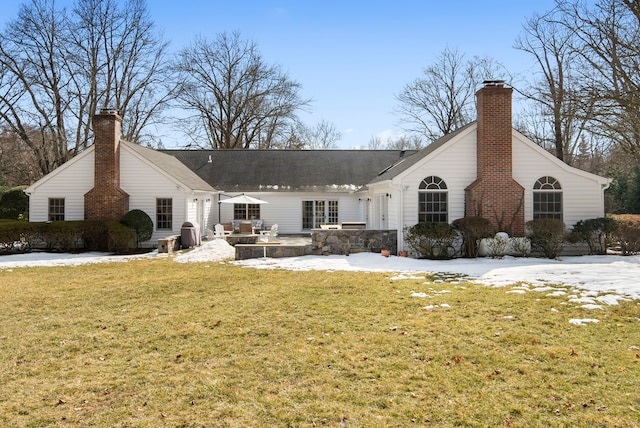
(521, 138)
(59, 170)
(169, 166)
(411, 161)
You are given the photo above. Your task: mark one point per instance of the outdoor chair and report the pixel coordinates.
(269, 235)
(246, 228)
(210, 234)
(220, 232)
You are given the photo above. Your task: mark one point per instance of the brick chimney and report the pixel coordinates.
(106, 201)
(494, 194)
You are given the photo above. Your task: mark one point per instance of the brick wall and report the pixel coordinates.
(106, 201)
(495, 195)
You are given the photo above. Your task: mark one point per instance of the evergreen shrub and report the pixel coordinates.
(595, 232)
(122, 239)
(139, 221)
(14, 204)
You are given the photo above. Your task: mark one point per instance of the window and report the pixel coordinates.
(547, 198)
(246, 211)
(432, 200)
(315, 213)
(164, 214)
(56, 209)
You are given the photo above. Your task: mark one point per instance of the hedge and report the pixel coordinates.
(66, 236)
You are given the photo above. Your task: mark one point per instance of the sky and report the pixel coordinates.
(593, 283)
(352, 57)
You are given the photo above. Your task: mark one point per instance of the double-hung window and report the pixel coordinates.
(246, 211)
(164, 214)
(56, 209)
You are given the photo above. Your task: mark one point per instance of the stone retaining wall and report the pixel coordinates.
(255, 251)
(326, 242)
(346, 241)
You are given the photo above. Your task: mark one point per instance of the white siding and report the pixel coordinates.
(145, 184)
(582, 193)
(456, 165)
(285, 208)
(71, 182)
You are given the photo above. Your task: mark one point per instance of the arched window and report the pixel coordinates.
(432, 200)
(547, 198)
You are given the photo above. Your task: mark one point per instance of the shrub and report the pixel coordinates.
(521, 246)
(14, 204)
(139, 221)
(595, 232)
(62, 236)
(122, 239)
(497, 246)
(432, 240)
(472, 230)
(17, 236)
(547, 235)
(95, 235)
(627, 234)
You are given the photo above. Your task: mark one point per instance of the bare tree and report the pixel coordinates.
(550, 44)
(239, 99)
(59, 67)
(116, 51)
(443, 99)
(17, 163)
(32, 89)
(402, 142)
(608, 42)
(321, 136)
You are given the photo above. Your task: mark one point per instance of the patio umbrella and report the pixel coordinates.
(243, 199)
(240, 199)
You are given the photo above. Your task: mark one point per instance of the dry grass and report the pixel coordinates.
(154, 343)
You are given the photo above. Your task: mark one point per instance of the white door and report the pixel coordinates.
(380, 212)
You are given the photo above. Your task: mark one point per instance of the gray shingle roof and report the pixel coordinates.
(288, 170)
(412, 160)
(171, 166)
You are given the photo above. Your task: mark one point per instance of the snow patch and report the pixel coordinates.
(584, 321)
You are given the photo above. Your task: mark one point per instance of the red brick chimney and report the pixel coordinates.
(494, 194)
(106, 201)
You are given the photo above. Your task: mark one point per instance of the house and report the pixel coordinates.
(304, 188)
(483, 169)
(486, 169)
(114, 176)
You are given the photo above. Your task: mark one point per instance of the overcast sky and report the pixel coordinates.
(351, 57)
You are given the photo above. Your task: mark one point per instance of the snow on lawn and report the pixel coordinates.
(617, 275)
(588, 281)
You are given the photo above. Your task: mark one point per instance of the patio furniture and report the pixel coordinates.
(269, 235)
(210, 234)
(256, 225)
(220, 232)
(246, 228)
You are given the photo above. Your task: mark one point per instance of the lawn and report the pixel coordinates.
(153, 343)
